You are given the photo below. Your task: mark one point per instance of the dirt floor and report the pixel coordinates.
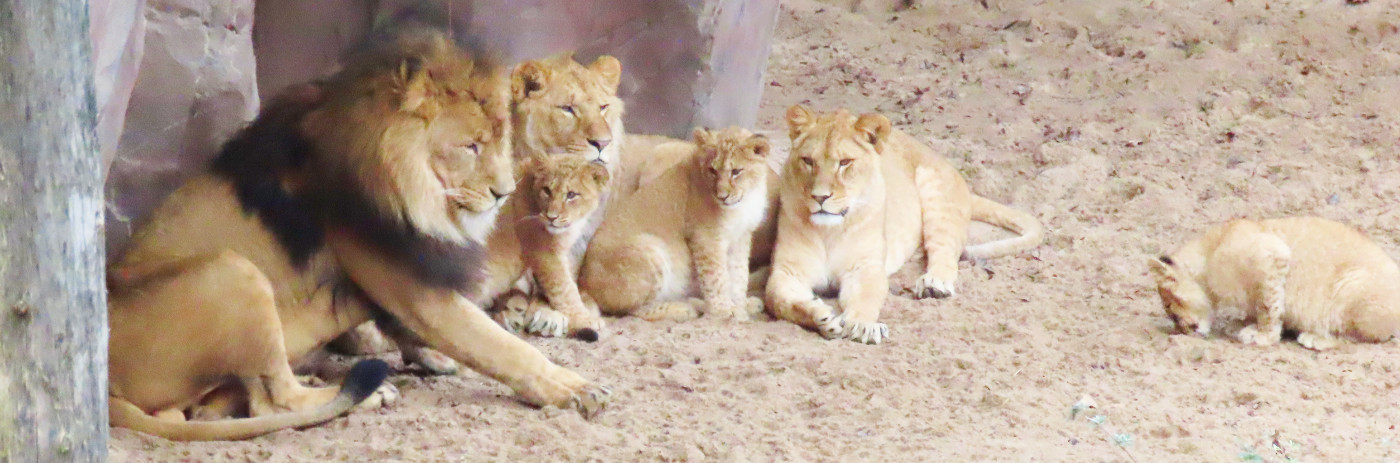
(1126, 127)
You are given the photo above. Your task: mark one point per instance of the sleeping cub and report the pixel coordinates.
(1317, 277)
(685, 233)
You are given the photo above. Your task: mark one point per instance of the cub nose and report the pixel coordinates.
(600, 143)
(820, 198)
(551, 215)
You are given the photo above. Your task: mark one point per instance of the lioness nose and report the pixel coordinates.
(820, 198)
(600, 143)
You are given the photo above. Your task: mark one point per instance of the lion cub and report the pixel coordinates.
(685, 233)
(1318, 277)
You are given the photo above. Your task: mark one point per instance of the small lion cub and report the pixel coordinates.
(1314, 276)
(688, 232)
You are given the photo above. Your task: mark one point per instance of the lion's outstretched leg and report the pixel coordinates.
(944, 227)
(449, 322)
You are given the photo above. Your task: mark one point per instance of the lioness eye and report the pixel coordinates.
(571, 196)
(735, 172)
(567, 110)
(474, 148)
(845, 162)
(808, 161)
(603, 108)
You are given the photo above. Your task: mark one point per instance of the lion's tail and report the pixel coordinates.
(364, 378)
(1029, 230)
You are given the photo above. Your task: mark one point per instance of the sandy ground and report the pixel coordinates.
(1126, 127)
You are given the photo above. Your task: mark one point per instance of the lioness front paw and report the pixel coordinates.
(565, 389)
(866, 332)
(935, 287)
(385, 396)
(1317, 342)
(1250, 335)
(548, 323)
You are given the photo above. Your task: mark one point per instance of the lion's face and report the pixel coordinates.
(734, 161)
(563, 107)
(566, 190)
(835, 159)
(471, 156)
(1184, 300)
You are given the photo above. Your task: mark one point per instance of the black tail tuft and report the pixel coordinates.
(587, 335)
(365, 378)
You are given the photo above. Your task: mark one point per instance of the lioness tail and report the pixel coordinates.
(1030, 231)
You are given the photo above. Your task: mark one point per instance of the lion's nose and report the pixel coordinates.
(820, 198)
(600, 143)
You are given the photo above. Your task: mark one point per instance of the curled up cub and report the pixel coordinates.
(858, 199)
(686, 233)
(1314, 276)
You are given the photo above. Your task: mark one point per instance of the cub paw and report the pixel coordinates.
(433, 361)
(752, 307)
(867, 332)
(1317, 342)
(1250, 335)
(548, 323)
(931, 286)
(385, 396)
(565, 389)
(512, 313)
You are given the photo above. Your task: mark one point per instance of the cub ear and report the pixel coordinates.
(760, 146)
(799, 120)
(610, 69)
(874, 127)
(1162, 270)
(527, 79)
(702, 136)
(600, 173)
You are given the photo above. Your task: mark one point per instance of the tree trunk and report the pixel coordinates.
(53, 303)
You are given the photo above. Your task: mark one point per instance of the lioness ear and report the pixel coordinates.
(610, 68)
(874, 127)
(599, 172)
(527, 79)
(799, 119)
(702, 136)
(760, 146)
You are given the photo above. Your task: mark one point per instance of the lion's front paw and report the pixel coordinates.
(565, 389)
(935, 287)
(866, 332)
(385, 396)
(1250, 335)
(1317, 342)
(548, 323)
(431, 360)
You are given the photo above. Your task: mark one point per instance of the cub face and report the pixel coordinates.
(1183, 299)
(835, 158)
(567, 108)
(565, 190)
(734, 162)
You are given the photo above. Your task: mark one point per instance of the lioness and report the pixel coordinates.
(857, 199)
(684, 234)
(1314, 276)
(365, 199)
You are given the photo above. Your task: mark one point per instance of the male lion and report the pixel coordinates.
(1314, 276)
(365, 199)
(858, 198)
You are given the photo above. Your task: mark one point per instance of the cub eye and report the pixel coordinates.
(714, 171)
(603, 108)
(567, 109)
(571, 196)
(736, 172)
(809, 162)
(545, 192)
(846, 162)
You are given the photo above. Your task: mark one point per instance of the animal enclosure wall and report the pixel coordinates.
(190, 72)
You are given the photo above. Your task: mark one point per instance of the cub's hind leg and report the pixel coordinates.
(945, 214)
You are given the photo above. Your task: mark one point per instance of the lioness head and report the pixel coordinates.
(1183, 298)
(563, 107)
(419, 131)
(834, 160)
(565, 190)
(734, 160)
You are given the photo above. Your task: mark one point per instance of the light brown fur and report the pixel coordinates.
(407, 143)
(684, 234)
(858, 198)
(1314, 276)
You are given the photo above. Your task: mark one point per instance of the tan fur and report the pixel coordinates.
(407, 141)
(858, 198)
(1314, 276)
(684, 234)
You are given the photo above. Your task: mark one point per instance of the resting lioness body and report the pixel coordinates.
(858, 199)
(362, 200)
(684, 234)
(1314, 276)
